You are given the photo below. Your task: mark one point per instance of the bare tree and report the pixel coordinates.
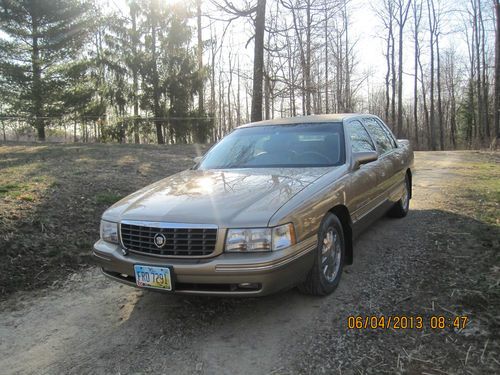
(417, 17)
(258, 13)
(387, 17)
(432, 28)
(497, 71)
(199, 51)
(403, 11)
(258, 60)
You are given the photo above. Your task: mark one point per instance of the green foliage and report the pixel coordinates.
(201, 127)
(4, 189)
(43, 37)
(132, 73)
(107, 198)
(182, 79)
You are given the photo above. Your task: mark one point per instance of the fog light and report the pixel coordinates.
(248, 286)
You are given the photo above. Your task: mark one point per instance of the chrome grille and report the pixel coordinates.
(179, 241)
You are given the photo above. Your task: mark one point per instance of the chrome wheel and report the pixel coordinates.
(331, 253)
(324, 275)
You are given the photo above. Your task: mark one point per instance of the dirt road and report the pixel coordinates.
(435, 262)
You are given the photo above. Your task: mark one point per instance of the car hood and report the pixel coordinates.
(227, 198)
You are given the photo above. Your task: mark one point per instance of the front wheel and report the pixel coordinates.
(324, 276)
(402, 206)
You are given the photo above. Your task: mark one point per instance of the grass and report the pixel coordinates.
(52, 198)
(107, 198)
(7, 188)
(479, 188)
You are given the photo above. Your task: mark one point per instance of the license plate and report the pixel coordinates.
(153, 277)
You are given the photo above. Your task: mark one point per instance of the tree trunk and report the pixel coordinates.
(480, 103)
(135, 74)
(307, 70)
(238, 107)
(267, 95)
(400, 82)
(258, 61)
(347, 93)
(213, 105)
(453, 117)
(486, 119)
(403, 16)
(388, 73)
(156, 86)
(37, 82)
(416, 24)
(439, 103)
(327, 109)
(424, 102)
(393, 83)
(432, 121)
(291, 80)
(200, 56)
(229, 85)
(497, 71)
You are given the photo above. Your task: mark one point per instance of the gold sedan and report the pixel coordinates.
(273, 205)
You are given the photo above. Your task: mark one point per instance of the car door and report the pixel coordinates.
(362, 195)
(397, 159)
(385, 147)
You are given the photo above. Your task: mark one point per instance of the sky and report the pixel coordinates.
(364, 27)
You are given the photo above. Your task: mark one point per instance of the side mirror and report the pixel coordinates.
(360, 158)
(403, 142)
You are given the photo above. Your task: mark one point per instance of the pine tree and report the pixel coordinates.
(170, 77)
(182, 78)
(42, 36)
(124, 59)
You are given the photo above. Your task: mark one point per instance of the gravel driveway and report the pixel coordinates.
(432, 263)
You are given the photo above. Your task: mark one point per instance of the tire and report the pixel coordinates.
(330, 251)
(401, 208)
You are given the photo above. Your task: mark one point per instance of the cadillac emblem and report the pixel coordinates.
(159, 240)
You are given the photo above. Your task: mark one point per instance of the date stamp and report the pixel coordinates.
(401, 322)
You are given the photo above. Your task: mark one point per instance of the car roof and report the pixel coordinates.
(338, 117)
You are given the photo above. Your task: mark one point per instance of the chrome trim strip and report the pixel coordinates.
(163, 224)
(173, 257)
(219, 292)
(97, 255)
(272, 266)
(355, 215)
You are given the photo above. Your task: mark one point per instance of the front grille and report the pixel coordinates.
(189, 242)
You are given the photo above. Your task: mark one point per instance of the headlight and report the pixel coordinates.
(109, 231)
(260, 239)
(283, 236)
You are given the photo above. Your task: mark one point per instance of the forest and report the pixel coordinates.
(158, 71)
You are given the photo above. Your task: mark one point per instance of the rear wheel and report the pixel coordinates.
(402, 206)
(325, 274)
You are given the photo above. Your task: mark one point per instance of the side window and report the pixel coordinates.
(360, 140)
(384, 143)
(388, 132)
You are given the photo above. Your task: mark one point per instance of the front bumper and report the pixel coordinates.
(235, 274)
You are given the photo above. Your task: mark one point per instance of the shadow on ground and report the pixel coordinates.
(432, 263)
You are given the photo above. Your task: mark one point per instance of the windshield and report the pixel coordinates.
(287, 146)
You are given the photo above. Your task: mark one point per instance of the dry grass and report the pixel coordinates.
(52, 197)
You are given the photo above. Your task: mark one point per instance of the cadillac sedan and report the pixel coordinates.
(273, 205)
